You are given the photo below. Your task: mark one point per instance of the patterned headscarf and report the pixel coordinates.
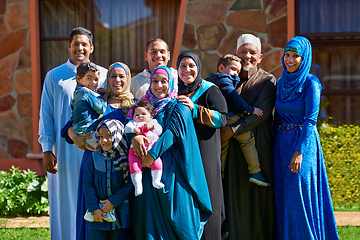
(119, 150)
(172, 91)
(126, 97)
(289, 84)
(184, 88)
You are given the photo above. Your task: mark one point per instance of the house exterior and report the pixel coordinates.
(34, 36)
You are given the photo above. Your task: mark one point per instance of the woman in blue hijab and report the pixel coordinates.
(302, 197)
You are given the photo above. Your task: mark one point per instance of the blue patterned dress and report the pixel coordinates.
(303, 201)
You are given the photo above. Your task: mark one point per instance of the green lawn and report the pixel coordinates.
(345, 233)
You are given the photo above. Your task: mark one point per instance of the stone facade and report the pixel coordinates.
(212, 28)
(15, 89)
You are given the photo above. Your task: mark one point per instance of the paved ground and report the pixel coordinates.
(342, 219)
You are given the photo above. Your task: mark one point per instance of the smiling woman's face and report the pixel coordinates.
(187, 70)
(117, 80)
(159, 85)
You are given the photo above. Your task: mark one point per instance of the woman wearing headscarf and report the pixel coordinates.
(209, 112)
(119, 100)
(302, 197)
(182, 207)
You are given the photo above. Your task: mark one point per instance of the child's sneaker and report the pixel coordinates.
(258, 179)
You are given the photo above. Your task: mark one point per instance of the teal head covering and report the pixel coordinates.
(290, 84)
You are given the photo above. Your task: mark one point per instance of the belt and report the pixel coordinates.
(289, 126)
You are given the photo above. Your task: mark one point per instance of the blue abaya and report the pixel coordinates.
(303, 201)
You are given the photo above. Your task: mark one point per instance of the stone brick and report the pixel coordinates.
(7, 67)
(265, 47)
(246, 5)
(249, 20)
(266, 3)
(29, 132)
(277, 72)
(6, 103)
(210, 36)
(4, 154)
(17, 15)
(24, 58)
(23, 82)
(10, 125)
(3, 141)
(13, 42)
(3, 29)
(17, 148)
(2, 7)
(208, 64)
(277, 32)
(277, 9)
(24, 105)
(271, 60)
(188, 39)
(207, 12)
(229, 43)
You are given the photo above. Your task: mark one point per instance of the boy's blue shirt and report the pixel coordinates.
(86, 106)
(228, 84)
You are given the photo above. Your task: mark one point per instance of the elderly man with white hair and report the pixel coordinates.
(249, 207)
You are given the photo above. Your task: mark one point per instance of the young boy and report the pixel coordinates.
(143, 123)
(227, 80)
(87, 105)
(106, 184)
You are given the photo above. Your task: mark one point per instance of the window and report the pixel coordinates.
(121, 29)
(333, 28)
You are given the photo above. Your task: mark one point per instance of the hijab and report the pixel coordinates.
(172, 91)
(291, 84)
(184, 88)
(118, 151)
(126, 97)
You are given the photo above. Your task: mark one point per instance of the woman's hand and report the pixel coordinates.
(80, 141)
(108, 205)
(226, 133)
(295, 163)
(98, 215)
(138, 143)
(147, 161)
(186, 101)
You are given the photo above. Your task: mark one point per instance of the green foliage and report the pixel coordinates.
(24, 233)
(22, 193)
(341, 148)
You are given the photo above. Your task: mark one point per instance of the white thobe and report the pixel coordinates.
(55, 112)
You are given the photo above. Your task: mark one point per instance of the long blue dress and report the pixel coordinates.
(180, 209)
(303, 201)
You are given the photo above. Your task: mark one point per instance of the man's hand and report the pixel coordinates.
(50, 162)
(226, 133)
(80, 141)
(138, 143)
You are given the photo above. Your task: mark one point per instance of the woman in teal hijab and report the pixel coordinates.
(180, 209)
(302, 197)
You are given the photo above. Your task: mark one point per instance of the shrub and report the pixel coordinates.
(341, 148)
(22, 193)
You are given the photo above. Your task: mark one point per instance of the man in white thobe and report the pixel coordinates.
(62, 160)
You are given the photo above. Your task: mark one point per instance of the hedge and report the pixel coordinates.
(341, 148)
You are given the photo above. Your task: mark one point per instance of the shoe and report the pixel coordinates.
(258, 179)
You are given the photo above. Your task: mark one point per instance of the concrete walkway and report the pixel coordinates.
(342, 219)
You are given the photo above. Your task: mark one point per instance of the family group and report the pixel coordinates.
(167, 154)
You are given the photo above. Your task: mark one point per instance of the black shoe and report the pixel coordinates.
(258, 179)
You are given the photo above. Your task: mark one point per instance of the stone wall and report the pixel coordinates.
(15, 87)
(212, 28)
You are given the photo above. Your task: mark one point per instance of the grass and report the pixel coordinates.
(345, 233)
